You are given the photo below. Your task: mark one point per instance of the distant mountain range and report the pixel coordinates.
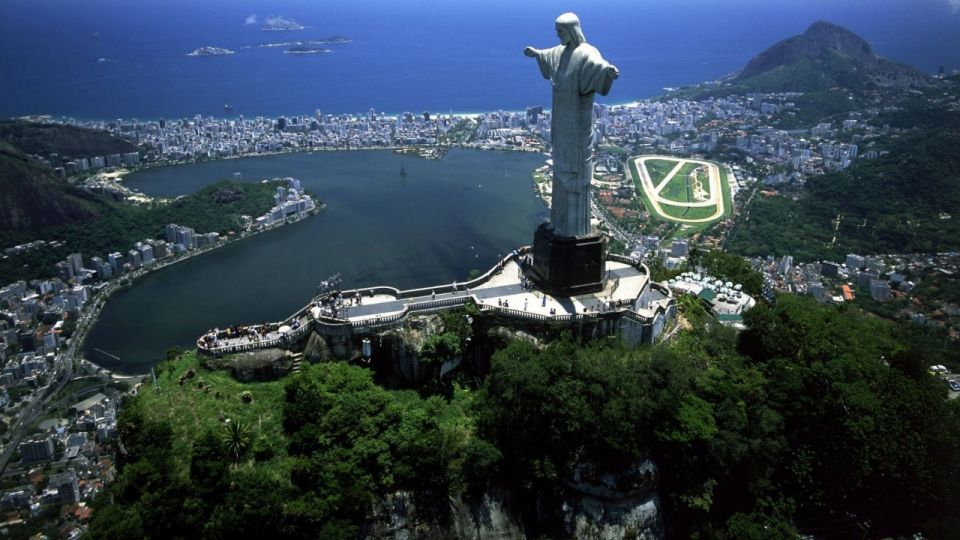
(823, 57)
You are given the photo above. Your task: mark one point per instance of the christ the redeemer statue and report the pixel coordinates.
(577, 71)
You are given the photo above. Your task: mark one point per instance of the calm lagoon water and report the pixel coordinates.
(443, 219)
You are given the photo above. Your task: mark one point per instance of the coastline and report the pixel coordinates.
(90, 319)
(463, 114)
(152, 165)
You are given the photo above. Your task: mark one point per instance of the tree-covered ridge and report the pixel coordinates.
(814, 419)
(66, 140)
(33, 198)
(903, 202)
(215, 208)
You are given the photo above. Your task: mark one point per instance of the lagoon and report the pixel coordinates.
(443, 219)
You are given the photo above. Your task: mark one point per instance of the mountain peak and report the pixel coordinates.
(827, 54)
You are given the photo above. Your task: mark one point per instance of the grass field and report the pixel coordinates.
(725, 191)
(659, 169)
(205, 400)
(677, 191)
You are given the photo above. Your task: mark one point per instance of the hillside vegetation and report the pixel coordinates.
(69, 141)
(824, 56)
(814, 419)
(906, 201)
(833, 67)
(33, 198)
(216, 208)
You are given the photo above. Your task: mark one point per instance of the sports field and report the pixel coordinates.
(688, 191)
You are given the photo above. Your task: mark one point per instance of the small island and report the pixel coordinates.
(334, 40)
(210, 51)
(306, 49)
(329, 41)
(280, 24)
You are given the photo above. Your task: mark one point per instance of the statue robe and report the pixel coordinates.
(576, 73)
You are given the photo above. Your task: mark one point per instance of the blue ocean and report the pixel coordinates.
(105, 59)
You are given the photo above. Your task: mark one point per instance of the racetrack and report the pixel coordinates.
(653, 192)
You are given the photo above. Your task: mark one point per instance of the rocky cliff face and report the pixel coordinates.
(408, 516)
(609, 505)
(403, 515)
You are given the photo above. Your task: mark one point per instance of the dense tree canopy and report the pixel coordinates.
(814, 419)
(902, 202)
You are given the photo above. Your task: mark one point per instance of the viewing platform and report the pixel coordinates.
(628, 298)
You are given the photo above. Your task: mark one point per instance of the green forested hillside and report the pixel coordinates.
(68, 141)
(906, 201)
(814, 419)
(32, 197)
(216, 208)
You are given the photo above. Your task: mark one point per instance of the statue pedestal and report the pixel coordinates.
(568, 265)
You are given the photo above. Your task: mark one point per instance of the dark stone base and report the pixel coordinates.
(567, 265)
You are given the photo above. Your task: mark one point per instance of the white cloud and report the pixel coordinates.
(252, 19)
(954, 5)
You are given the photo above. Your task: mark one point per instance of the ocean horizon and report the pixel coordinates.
(105, 60)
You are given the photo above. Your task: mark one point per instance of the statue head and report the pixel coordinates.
(568, 29)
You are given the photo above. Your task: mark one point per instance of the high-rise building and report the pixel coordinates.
(76, 262)
(785, 264)
(133, 257)
(67, 486)
(854, 262)
(116, 261)
(829, 269)
(874, 264)
(679, 248)
(64, 270)
(879, 290)
(36, 449)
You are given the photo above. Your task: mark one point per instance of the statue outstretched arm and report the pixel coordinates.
(541, 56)
(610, 74)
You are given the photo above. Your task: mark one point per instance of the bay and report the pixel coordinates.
(443, 219)
(107, 58)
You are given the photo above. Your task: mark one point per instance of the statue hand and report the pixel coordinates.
(530, 51)
(613, 71)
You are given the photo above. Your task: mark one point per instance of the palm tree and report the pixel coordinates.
(236, 439)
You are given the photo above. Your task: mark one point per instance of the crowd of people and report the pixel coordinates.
(238, 334)
(335, 304)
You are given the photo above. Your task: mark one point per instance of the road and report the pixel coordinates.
(62, 374)
(615, 229)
